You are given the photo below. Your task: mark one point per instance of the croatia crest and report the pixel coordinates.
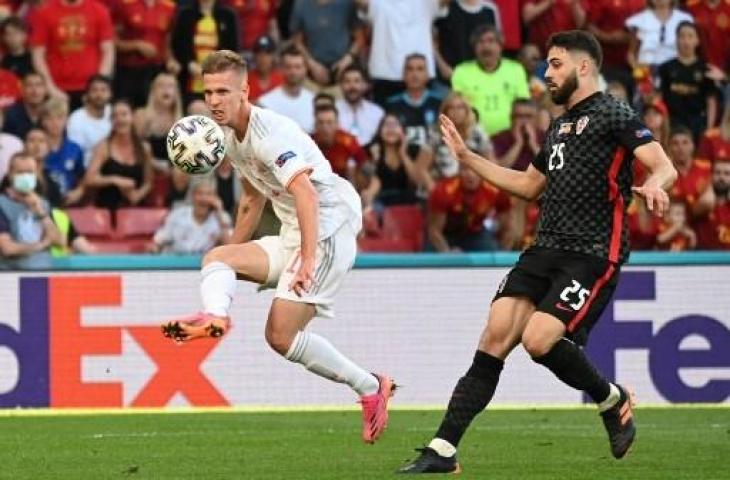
(581, 124)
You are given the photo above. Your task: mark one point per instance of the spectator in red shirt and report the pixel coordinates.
(339, 147)
(545, 17)
(606, 20)
(256, 19)
(457, 209)
(713, 18)
(71, 40)
(713, 232)
(656, 119)
(674, 233)
(9, 88)
(715, 143)
(643, 226)
(265, 74)
(694, 174)
(143, 30)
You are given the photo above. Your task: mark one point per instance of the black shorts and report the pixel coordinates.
(574, 287)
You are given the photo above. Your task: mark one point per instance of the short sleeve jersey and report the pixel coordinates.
(587, 158)
(272, 153)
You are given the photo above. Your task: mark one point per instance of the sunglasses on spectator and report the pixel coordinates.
(661, 34)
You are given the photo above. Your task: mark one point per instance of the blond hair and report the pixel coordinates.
(224, 60)
(177, 109)
(53, 106)
(471, 118)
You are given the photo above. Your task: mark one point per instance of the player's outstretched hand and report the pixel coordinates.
(452, 138)
(304, 278)
(657, 200)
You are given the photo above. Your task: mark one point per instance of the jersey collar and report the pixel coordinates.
(589, 99)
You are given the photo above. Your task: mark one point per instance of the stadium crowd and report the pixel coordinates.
(89, 89)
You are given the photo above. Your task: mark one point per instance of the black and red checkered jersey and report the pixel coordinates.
(587, 158)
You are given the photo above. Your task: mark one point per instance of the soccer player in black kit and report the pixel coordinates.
(560, 285)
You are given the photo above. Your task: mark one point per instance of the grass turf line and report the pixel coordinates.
(685, 443)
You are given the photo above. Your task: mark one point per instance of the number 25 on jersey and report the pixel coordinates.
(557, 160)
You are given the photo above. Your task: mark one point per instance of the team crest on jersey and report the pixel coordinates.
(565, 128)
(581, 124)
(284, 157)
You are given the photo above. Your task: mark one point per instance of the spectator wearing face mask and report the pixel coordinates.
(27, 231)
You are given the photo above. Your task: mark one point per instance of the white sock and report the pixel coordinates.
(319, 356)
(217, 288)
(442, 447)
(613, 396)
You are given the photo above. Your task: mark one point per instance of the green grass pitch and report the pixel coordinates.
(672, 443)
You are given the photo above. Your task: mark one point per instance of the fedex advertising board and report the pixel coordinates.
(93, 340)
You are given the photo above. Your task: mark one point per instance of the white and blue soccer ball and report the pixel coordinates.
(196, 145)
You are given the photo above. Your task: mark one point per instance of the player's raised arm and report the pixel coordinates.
(528, 184)
(662, 175)
(249, 213)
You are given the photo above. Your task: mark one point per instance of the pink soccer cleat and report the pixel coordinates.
(375, 409)
(200, 325)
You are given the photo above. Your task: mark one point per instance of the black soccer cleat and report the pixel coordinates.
(619, 423)
(431, 462)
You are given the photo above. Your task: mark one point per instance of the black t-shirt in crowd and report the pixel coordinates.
(587, 158)
(455, 29)
(416, 117)
(20, 65)
(685, 89)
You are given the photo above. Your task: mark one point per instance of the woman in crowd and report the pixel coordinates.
(152, 122)
(121, 168)
(396, 175)
(435, 161)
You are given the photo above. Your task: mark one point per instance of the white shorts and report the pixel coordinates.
(334, 258)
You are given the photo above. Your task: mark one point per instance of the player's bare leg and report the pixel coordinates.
(286, 334)
(221, 268)
(545, 342)
(503, 332)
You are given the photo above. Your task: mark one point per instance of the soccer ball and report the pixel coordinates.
(196, 145)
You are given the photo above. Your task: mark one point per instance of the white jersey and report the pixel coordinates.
(273, 151)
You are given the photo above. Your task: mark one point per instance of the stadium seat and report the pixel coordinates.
(160, 190)
(371, 224)
(120, 246)
(404, 222)
(139, 222)
(91, 221)
(386, 245)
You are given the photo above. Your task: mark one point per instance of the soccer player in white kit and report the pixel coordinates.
(307, 262)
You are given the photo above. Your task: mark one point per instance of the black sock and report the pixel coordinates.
(472, 394)
(568, 362)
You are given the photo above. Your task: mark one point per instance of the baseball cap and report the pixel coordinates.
(264, 43)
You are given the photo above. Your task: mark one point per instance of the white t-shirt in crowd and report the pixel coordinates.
(656, 48)
(400, 28)
(361, 120)
(9, 146)
(273, 152)
(181, 233)
(88, 131)
(299, 108)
